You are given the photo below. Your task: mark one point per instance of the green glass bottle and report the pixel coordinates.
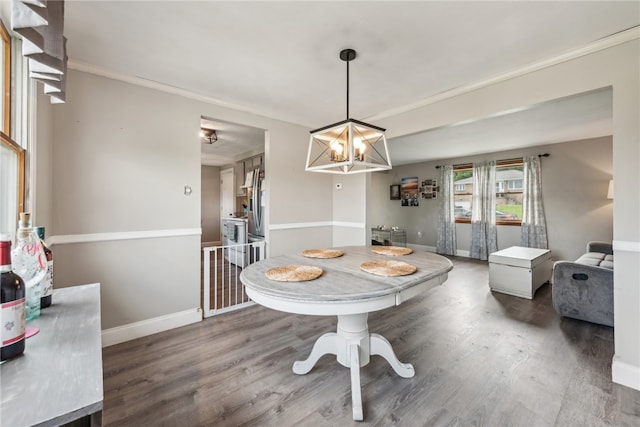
(46, 284)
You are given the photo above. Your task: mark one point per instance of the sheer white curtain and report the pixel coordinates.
(446, 243)
(533, 232)
(484, 235)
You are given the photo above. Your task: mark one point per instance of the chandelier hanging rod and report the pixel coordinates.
(347, 55)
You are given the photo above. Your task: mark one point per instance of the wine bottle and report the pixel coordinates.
(46, 284)
(30, 263)
(12, 305)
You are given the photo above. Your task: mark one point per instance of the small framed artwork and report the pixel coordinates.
(409, 191)
(394, 192)
(429, 189)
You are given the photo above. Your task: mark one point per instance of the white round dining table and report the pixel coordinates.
(346, 291)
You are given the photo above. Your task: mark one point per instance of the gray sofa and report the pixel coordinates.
(583, 289)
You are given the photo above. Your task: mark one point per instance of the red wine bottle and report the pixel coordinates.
(12, 306)
(46, 284)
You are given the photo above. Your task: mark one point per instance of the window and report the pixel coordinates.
(463, 195)
(11, 183)
(509, 179)
(12, 155)
(515, 184)
(5, 80)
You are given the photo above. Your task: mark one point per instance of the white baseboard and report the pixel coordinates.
(425, 248)
(466, 254)
(421, 248)
(625, 374)
(150, 326)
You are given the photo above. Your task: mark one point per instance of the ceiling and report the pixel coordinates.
(233, 140)
(280, 59)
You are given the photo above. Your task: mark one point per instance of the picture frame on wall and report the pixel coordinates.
(409, 191)
(429, 189)
(394, 192)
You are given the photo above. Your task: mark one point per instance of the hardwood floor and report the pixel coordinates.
(481, 359)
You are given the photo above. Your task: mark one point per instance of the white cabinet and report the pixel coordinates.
(519, 271)
(241, 169)
(240, 175)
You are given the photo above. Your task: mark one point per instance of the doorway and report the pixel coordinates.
(227, 196)
(226, 149)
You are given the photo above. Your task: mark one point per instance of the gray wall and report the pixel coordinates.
(210, 205)
(122, 154)
(574, 185)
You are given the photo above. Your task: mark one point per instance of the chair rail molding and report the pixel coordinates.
(294, 225)
(121, 235)
(627, 246)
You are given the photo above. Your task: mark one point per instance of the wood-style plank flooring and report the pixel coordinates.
(481, 359)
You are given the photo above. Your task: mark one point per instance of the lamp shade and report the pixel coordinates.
(350, 146)
(610, 190)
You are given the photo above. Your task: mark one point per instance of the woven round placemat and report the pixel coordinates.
(388, 268)
(322, 253)
(391, 250)
(293, 273)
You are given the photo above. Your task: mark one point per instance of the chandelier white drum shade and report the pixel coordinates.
(349, 146)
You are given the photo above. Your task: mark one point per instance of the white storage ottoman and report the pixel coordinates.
(519, 271)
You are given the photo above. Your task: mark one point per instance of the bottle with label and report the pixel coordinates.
(46, 285)
(29, 262)
(12, 305)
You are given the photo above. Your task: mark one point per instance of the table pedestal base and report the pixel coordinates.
(353, 346)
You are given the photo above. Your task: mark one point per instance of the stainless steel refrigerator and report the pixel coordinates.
(256, 204)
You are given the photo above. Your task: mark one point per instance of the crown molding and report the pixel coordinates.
(162, 87)
(597, 46)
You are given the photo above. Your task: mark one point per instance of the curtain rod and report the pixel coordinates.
(517, 159)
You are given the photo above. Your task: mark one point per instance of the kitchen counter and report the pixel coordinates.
(58, 379)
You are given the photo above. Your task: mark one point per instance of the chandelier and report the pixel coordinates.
(208, 136)
(349, 146)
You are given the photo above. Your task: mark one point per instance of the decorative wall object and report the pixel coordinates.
(409, 191)
(394, 192)
(429, 189)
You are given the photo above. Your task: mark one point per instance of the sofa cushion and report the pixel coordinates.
(596, 259)
(607, 264)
